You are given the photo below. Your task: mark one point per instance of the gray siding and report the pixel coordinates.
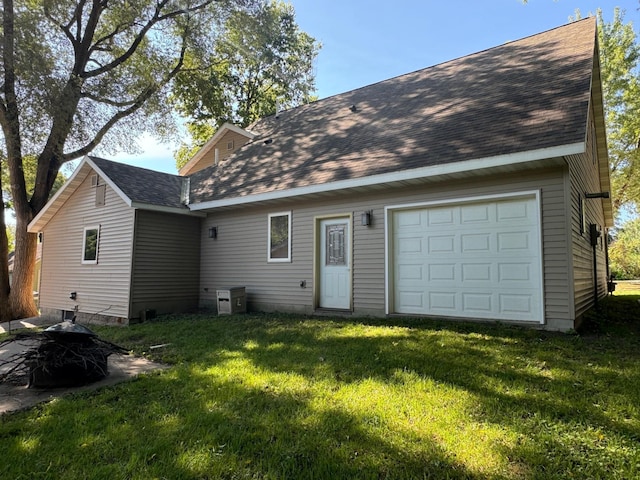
(103, 288)
(239, 255)
(585, 177)
(166, 264)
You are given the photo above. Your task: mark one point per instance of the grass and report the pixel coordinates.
(284, 397)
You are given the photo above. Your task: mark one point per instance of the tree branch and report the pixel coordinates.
(134, 107)
(157, 18)
(108, 101)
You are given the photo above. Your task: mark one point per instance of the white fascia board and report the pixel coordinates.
(160, 208)
(424, 172)
(57, 198)
(226, 127)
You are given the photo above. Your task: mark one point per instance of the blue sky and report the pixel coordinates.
(365, 42)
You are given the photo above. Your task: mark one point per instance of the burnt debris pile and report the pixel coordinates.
(64, 355)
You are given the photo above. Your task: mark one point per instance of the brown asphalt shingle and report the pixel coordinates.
(524, 95)
(142, 185)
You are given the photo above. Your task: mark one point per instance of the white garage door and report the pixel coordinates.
(474, 260)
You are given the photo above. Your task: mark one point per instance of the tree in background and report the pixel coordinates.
(76, 74)
(619, 60)
(262, 59)
(624, 255)
(11, 237)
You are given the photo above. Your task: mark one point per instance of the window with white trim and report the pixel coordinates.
(279, 248)
(90, 243)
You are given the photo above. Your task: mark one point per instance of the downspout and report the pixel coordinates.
(594, 233)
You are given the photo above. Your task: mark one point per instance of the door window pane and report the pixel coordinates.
(336, 245)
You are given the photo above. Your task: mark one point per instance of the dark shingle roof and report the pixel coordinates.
(142, 185)
(521, 96)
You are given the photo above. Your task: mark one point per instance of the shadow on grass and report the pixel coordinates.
(263, 396)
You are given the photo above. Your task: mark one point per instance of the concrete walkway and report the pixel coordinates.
(19, 397)
(33, 322)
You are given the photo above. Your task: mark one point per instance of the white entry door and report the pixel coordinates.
(335, 271)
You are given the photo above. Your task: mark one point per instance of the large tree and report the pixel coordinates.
(263, 59)
(624, 253)
(620, 71)
(76, 74)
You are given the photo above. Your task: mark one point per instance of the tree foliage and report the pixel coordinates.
(620, 72)
(624, 253)
(79, 74)
(262, 58)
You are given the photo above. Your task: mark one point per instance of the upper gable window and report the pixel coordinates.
(230, 145)
(90, 243)
(279, 237)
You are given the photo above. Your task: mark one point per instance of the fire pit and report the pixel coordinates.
(64, 355)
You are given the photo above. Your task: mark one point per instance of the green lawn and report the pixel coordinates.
(261, 396)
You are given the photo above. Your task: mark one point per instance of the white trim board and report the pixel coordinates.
(424, 172)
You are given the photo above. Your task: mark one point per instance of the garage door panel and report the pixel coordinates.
(513, 211)
(510, 241)
(476, 243)
(479, 260)
(409, 245)
(514, 272)
(480, 303)
(441, 244)
(442, 272)
(441, 216)
(408, 272)
(443, 301)
(411, 301)
(473, 272)
(474, 214)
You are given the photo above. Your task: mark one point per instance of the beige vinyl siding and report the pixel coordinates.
(223, 153)
(103, 288)
(238, 256)
(585, 177)
(166, 263)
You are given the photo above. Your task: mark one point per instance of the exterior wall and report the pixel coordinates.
(103, 288)
(584, 177)
(238, 257)
(208, 159)
(166, 263)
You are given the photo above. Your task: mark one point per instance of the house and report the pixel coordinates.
(474, 189)
(119, 243)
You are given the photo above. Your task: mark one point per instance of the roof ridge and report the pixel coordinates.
(435, 65)
(126, 165)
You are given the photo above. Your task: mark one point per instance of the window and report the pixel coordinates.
(90, 245)
(279, 237)
(230, 145)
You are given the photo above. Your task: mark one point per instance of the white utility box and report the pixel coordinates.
(231, 300)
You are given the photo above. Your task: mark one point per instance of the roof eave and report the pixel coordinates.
(495, 162)
(166, 209)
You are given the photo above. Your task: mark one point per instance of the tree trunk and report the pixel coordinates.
(21, 302)
(5, 312)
